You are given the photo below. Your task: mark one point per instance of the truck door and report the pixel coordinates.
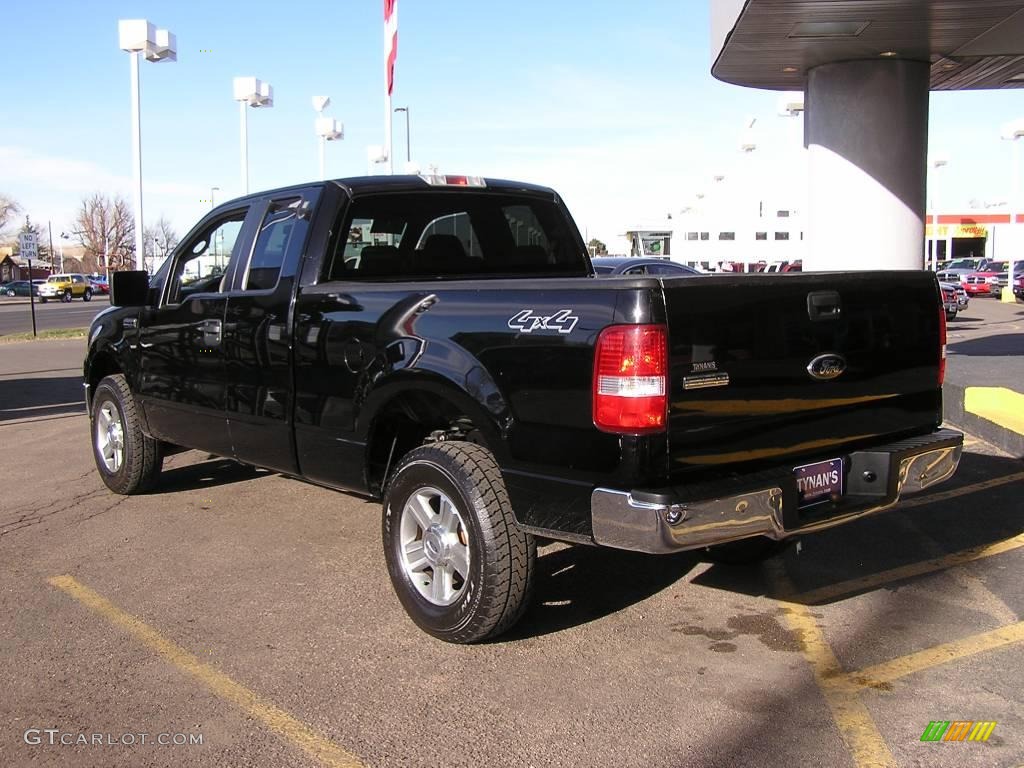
(257, 338)
(181, 375)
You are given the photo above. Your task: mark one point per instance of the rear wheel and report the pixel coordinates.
(129, 462)
(42, 299)
(87, 296)
(460, 566)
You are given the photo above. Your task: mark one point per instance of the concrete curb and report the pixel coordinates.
(954, 413)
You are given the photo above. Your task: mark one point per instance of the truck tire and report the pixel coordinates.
(41, 298)
(129, 462)
(66, 296)
(87, 296)
(460, 566)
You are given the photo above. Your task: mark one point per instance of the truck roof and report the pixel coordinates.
(360, 185)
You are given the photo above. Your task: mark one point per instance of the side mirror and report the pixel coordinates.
(129, 289)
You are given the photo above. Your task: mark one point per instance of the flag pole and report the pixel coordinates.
(390, 54)
(387, 133)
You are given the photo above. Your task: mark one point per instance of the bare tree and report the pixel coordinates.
(104, 225)
(159, 240)
(9, 209)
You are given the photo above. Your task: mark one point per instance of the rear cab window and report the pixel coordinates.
(434, 235)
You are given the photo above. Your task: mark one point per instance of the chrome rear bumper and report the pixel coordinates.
(675, 519)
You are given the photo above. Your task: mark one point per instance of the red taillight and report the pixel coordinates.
(631, 379)
(942, 345)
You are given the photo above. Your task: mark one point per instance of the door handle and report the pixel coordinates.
(212, 331)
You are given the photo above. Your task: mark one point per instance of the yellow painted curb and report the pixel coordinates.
(997, 404)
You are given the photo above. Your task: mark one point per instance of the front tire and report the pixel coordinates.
(460, 566)
(129, 462)
(66, 296)
(42, 299)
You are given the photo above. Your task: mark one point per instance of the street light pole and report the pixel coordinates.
(251, 92)
(1013, 132)
(245, 147)
(212, 190)
(326, 128)
(137, 160)
(936, 163)
(138, 37)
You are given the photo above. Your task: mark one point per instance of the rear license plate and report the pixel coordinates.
(819, 482)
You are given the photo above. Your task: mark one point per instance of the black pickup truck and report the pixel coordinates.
(442, 343)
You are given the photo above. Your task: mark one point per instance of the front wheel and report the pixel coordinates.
(460, 566)
(66, 296)
(129, 461)
(42, 299)
(87, 296)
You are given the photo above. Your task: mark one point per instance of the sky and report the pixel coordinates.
(610, 103)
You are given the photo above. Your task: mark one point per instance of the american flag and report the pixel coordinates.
(390, 40)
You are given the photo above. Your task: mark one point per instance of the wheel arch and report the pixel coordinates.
(408, 410)
(101, 364)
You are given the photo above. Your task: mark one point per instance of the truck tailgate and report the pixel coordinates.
(770, 369)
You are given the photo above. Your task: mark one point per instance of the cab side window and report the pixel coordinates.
(202, 262)
(282, 229)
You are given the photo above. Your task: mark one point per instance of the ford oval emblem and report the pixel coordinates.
(826, 367)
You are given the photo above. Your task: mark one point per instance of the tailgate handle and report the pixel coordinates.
(824, 305)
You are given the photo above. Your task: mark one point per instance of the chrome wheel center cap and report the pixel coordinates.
(435, 546)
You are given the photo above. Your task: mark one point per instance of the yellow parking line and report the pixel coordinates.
(859, 732)
(984, 485)
(933, 657)
(280, 722)
(871, 581)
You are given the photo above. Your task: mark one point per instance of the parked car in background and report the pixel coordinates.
(20, 288)
(66, 288)
(958, 269)
(613, 265)
(1003, 278)
(1018, 288)
(962, 296)
(99, 285)
(949, 301)
(962, 299)
(985, 281)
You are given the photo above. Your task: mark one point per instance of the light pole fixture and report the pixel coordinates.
(939, 161)
(408, 145)
(1014, 131)
(327, 128)
(250, 92)
(747, 143)
(212, 190)
(375, 155)
(791, 104)
(139, 37)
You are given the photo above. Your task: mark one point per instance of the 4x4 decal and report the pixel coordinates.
(526, 321)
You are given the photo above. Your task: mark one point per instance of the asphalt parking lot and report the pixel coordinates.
(255, 612)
